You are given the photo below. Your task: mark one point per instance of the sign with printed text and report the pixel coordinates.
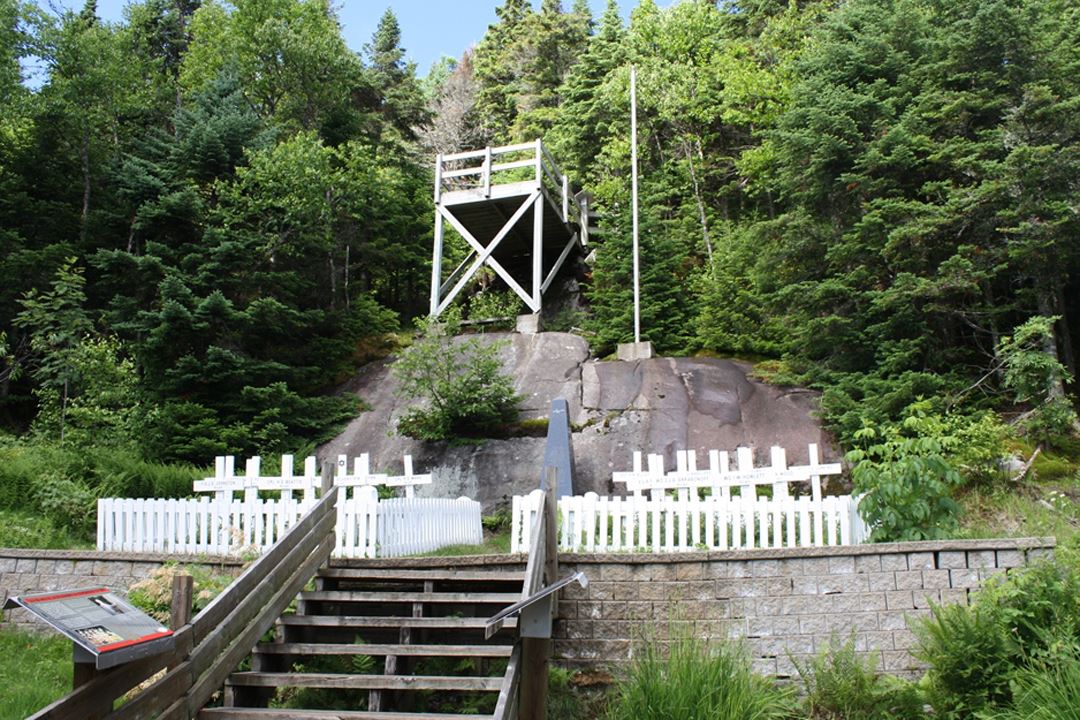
(106, 627)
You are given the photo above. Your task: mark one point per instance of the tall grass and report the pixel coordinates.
(1047, 693)
(695, 680)
(61, 483)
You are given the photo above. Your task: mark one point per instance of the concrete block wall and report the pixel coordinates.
(785, 603)
(30, 571)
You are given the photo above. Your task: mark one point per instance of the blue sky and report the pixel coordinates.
(429, 28)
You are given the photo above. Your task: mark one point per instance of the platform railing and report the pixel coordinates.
(479, 170)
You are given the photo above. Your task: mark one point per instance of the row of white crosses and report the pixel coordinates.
(720, 478)
(226, 481)
(362, 476)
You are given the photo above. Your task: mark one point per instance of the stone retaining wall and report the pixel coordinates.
(30, 571)
(786, 603)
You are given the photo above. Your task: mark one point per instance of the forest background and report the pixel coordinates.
(211, 214)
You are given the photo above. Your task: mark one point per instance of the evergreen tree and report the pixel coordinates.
(499, 68)
(401, 100)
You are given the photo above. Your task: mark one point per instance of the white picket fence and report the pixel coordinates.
(227, 525)
(702, 512)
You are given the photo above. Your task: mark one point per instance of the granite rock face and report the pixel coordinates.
(660, 405)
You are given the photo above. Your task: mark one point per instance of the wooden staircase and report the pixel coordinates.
(389, 643)
(397, 640)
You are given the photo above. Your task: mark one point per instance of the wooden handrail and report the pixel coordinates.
(523, 678)
(210, 647)
(547, 170)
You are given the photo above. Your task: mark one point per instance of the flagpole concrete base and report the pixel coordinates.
(634, 351)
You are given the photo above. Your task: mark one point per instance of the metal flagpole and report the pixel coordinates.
(634, 194)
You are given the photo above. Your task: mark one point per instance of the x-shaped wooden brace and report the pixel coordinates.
(483, 255)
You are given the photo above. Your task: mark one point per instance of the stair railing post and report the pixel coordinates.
(536, 651)
(551, 531)
(183, 590)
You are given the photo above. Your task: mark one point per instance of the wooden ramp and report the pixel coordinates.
(518, 215)
(383, 642)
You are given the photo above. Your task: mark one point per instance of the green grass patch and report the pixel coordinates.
(35, 670)
(496, 544)
(696, 680)
(24, 529)
(1021, 510)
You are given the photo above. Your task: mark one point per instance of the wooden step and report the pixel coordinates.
(364, 682)
(438, 574)
(240, 713)
(496, 651)
(506, 598)
(379, 621)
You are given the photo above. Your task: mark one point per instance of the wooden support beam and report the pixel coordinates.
(482, 254)
(476, 245)
(535, 654)
(538, 253)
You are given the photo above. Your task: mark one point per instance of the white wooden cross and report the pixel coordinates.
(225, 480)
(720, 478)
(362, 475)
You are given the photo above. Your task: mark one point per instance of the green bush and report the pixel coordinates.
(905, 479)
(969, 658)
(840, 684)
(153, 595)
(695, 680)
(1037, 377)
(460, 382)
(977, 654)
(493, 305)
(61, 482)
(1039, 609)
(22, 529)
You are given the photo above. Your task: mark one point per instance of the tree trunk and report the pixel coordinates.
(63, 410)
(1055, 387)
(1068, 355)
(697, 198)
(333, 279)
(995, 334)
(84, 155)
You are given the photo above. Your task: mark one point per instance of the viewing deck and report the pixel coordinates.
(517, 212)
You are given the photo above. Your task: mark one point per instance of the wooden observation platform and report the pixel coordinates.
(517, 213)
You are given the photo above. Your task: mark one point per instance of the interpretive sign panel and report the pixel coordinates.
(109, 629)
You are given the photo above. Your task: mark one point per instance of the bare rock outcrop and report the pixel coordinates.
(660, 405)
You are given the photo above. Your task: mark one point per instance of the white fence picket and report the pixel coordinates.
(225, 524)
(667, 524)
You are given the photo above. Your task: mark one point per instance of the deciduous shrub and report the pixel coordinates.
(905, 479)
(970, 662)
(459, 381)
(154, 594)
(1015, 629)
(1037, 377)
